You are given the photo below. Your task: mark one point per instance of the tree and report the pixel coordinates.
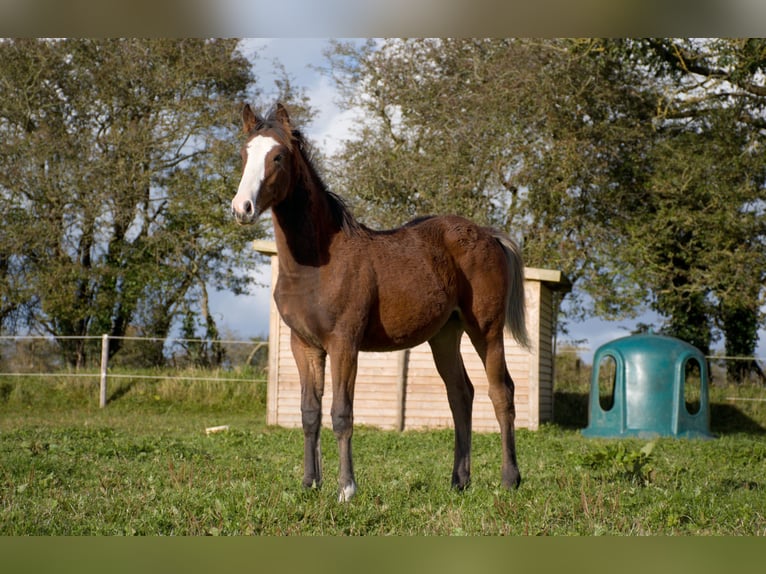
(708, 193)
(632, 165)
(438, 128)
(116, 168)
(542, 138)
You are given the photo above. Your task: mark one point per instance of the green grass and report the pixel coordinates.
(145, 466)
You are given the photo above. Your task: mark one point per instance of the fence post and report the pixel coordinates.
(104, 361)
(402, 364)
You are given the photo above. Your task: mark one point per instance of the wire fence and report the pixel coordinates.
(722, 369)
(106, 358)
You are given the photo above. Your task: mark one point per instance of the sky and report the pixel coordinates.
(243, 317)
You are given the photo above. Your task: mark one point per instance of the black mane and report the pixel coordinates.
(343, 216)
(339, 209)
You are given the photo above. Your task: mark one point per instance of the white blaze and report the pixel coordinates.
(255, 170)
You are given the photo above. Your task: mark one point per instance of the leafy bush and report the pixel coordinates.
(615, 460)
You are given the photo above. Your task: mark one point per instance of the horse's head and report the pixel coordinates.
(266, 163)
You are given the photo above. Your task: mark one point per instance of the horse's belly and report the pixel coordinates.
(405, 322)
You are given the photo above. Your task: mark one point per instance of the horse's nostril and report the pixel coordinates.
(244, 210)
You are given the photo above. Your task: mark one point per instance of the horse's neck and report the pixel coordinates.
(304, 227)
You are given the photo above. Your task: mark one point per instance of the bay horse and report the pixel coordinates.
(345, 288)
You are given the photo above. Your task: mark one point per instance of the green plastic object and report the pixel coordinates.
(653, 378)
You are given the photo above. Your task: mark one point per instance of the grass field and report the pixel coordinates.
(145, 466)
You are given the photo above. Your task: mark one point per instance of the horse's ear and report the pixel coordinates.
(249, 119)
(282, 116)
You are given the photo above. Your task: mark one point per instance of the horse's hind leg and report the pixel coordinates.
(501, 391)
(445, 347)
(310, 362)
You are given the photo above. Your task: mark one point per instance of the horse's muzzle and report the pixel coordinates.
(244, 213)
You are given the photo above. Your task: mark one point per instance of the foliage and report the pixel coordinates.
(699, 237)
(617, 461)
(530, 136)
(117, 162)
(423, 149)
(634, 166)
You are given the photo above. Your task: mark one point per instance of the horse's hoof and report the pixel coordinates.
(512, 482)
(461, 486)
(347, 492)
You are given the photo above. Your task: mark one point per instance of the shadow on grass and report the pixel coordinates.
(6, 389)
(727, 418)
(120, 391)
(571, 412)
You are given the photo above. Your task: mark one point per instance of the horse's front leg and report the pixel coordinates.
(343, 363)
(310, 362)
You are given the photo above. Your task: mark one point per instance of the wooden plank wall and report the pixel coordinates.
(380, 376)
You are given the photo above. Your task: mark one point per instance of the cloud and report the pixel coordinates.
(332, 125)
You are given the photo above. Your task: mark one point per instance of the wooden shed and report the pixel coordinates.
(402, 390)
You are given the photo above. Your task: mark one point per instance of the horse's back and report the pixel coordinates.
(425, 272)
(471, 249)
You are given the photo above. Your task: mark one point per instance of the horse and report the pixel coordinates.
(345, 288)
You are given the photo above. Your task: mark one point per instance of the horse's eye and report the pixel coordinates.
(278, 158)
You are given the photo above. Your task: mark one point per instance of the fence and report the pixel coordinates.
(41, 356)
(722, 369)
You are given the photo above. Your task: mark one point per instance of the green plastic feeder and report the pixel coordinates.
(659, 387)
